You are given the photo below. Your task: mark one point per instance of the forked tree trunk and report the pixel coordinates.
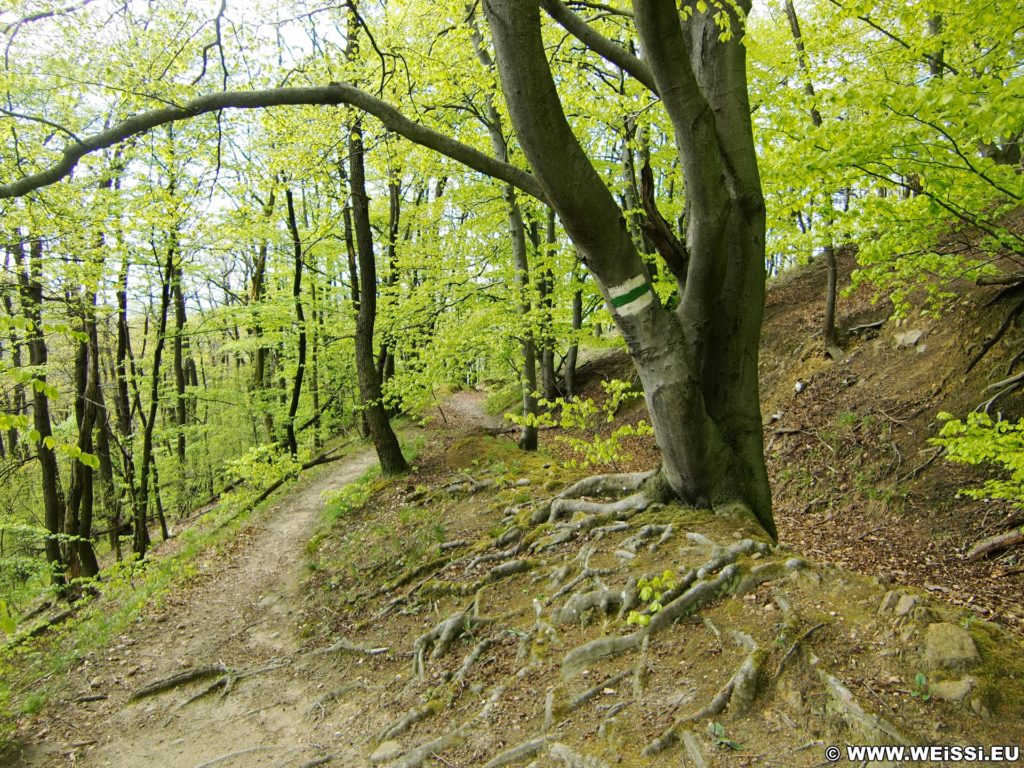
(698, 364)
(79, 511)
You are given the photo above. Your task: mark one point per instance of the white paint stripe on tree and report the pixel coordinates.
(631, 297)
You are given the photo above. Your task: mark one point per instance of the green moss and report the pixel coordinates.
(1001, 674)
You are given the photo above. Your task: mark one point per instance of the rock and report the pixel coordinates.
(522, 482)
(889, 601)
(387, 751)
(948, 646)
(905, 605)
(979, 708)
(952, 690)
(909, 338)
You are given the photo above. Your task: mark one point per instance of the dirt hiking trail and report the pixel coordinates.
(245, 613)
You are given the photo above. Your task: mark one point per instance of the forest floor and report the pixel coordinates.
(246, 613)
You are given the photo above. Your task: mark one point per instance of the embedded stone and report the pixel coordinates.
(948, 646)
(889, 601)
(905, 605)
(387, 751)
(952, 690)
(909, 338)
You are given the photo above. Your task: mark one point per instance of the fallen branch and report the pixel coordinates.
(996, 543)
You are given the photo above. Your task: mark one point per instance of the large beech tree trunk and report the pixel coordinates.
(698, 363)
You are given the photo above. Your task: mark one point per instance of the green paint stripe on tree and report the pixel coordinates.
(632, 295)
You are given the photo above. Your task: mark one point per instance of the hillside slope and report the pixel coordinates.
(854, 477)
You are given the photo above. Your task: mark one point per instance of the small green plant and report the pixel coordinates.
(980, 440)
(32, 704)
(8, 623)
(650, 592)
(922, 690)
(586, 416)
(717, 730)
(349, 499)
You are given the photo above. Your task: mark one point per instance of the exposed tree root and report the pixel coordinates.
(595, 691)
(227, 682)
(607, 485)
(794, 648)
(738, 693)
(250, 751)
(586, 573)
(572, 759)
(594, 515)
(493, 557)
(182, 678)
(518, 753)
(692, 746)
(411, 718)
(640, 670)
(604, 511)
(412, 574)
(416, 757)
(478, 650)
(995, 544)
(663, 532)
(341, 645)
(692, 600)
(874, 729)
(463, 588)
(604, 600)
(441, 637)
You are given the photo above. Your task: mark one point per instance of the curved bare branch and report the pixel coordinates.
(333, 94)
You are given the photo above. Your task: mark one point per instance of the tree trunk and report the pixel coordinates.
(81, 560)
(259, 379)
(574, 347)
(546, 305)
(180, 405)
(698, 364)
(300, 319)
(389, 452)
(828, 325)
(17, 405)
(141, 533)
(31, 294)
(517, 236)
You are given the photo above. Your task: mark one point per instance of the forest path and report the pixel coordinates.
(245, 612)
